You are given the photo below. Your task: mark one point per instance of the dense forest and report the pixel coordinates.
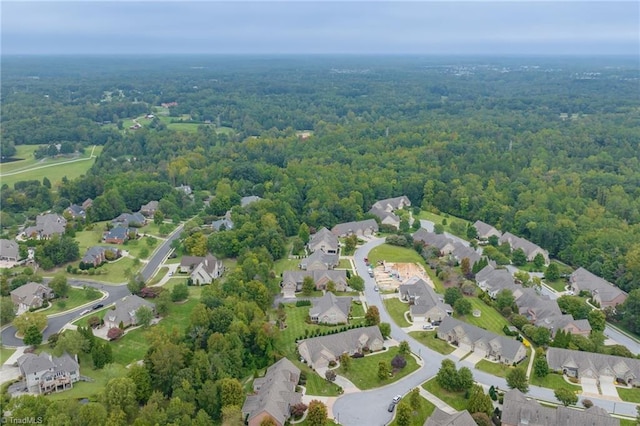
(546, 148)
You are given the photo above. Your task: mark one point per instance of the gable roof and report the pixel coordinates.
(384, 214)
(438, 241)
(276, 392)
(509, 347)
(460, 251)
(210, 263)
(494, 279)
(47, 225)
(130, 218)
(31, 363)
(339, 343)
(125, 309)
(354, 227)
(26, 293)
(328, 301)
(424, 298)
(441, 418)
(518, 410)
(76, 210)
(117, 232)
(245, 201)
(9, 248)
(95, 252)
(520, 243)
(391, 204)
(585, 280)
(598, 363)
(323, 239)
(327, 259)
(150, 206)
(485, 229)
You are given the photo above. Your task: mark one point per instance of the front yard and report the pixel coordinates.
(396, 310)
(5, 353)
(420, 416)
(553, 381)
(629, 394)
(489, 319)
(76, 297)
(495, 368)
(363, 372)
(454, 399)
(430, 340)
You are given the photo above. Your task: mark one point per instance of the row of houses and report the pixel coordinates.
(447, 246)
(531, 250)
(539, 309)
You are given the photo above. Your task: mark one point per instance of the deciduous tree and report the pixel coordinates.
(372, 317)
(517, 379)
(566, 396)
(317, 414)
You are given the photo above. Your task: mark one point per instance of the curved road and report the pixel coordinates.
(370, 407)
(114, 292)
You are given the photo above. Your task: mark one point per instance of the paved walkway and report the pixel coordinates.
(436, 401)
(8, 371)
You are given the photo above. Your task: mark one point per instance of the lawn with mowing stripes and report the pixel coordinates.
(489, 319)
(553, 381)
(363, 372)
(316, 385)
(629, 394)
(396, 310)
(5, 353)
(285, 265)
(454, 399)
(430, 340)
(420, 416)
(357, 310)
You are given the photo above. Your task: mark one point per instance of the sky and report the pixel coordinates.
(508, 27)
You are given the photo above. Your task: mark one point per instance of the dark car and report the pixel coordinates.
(98, 306)
(391, 407)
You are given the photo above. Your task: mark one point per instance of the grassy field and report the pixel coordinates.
(25, 159)
(113, 273)
(454, 399)
(133, 345)
(285, 265)
(429, 339)
(153, 229)
(53, 169)
(489, 318)
(553, 381)
(497, 369)
(557, 285)
(437, 218)
(629, 394)
(5, 353)
(363, 372)
(75, 298)
(420, 416)
(628, 422)
(396, 310)
(137, 248)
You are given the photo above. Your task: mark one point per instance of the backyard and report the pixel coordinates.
(363, 372)
(429, 339)
(438, 218)
(397, 254)
(90, 390)
(489, 318)
(396, 310)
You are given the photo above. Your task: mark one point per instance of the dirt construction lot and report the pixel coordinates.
(408, 270)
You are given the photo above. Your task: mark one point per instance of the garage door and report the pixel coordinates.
(465, 346)
(607, 386)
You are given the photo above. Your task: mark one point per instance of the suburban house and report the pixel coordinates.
(444, 244)
(481, 342)
(225, 221)
(124, 311)
(130, 219)
(602, 291)
(9, 250)
(292, 280)
(274, 395)
(86, 204)
(46, 225)
(319, 260)
(362, 228)
(485, 230)
(245, 201)
(604, 368)
(149, 209)
(45, 373)
(493, 280)
(518, 410)
(184, 188)
(76, 211)
(384, 209)
(31, 296)
(324, 240)
(543, 311)
(460, 251)
(424, 303)
(529, 248)
(204, 269)
(330, 309)
(97, 255)
(442, 418)
(319, 351)
(118, 234)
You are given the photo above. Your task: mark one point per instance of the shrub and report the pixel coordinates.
(298, 410)
(300, 303)
(357, 355)
(332, 363)
(330, 375)
(398, 362)
(114, 333)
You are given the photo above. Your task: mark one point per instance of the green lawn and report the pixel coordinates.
(489, 319)
(628, 422)
(115, 272)
(557, 285)
(159, 276)
(497, 369)
(24, 159)
(437, 218)
(285, 265)
(84, 321)
(344, 264)
(420, 416)
(357, 310)
(75, 298)
(454, 399)
(429, 339)
(396, 310)
(93, 237)
(553, 381)
(5, 353)
(55, 169)
(629, 394)
(391, 253)
(316, 385)
(152, 229)
(363, 372)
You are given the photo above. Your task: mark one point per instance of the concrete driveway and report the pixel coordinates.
(474, 358)
(608, 387)
(589, 386)
(459, 353)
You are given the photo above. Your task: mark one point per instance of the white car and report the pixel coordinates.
(397, 399)
(86, 311)
(427, 326)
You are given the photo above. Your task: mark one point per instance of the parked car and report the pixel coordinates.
(86, 311)
(397, 399)
(427, 326)
(435, 323)
(391, 407)
(98, 306)
(376, 288)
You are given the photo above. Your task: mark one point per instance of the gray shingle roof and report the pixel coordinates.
(517, 242)
(485, 229)
(585, 280)
(28, 292)
(423, 296)
(9, 249)
(47, 225)
(599, 364)
(245, 201)
(329, 300)
(330, 260)
(509, 347)
(441, 418)
(339, 343)
(129, 219)
(391, 204)
(354, 227)
(126, 308)
(460, 251)
(518, 410)
(432, 239)
(323, 239)
(31, 363)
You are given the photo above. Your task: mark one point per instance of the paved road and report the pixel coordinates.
(56, 323)
(160, 254)
(370, 407)
(115, 292)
